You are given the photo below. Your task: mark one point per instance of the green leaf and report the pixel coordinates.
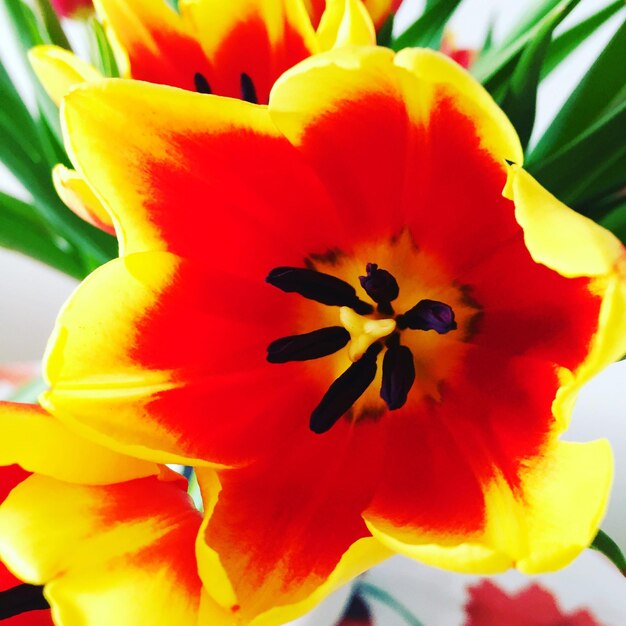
(25, 24)
(497, 62)
(51, 23)
(383, 36)
(604, 544)
(32, 33)
(615, 221)
(93, 246)
(563, 45)
(536, 12)
(520, 100)
(596, 92)
(488, 40)
(579, 170)
(15, 118)
(427, 30)
(21, 230)
(30, 156)
(101, 51)
(50, 137)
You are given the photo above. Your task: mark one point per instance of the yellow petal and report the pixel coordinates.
(345, 23)
(418, 78)
(214, 21)
(58, 70)
(557, 236)
(118, 554)
(39, 443)
(540, 527)
(131, 28)
(575, 246)
(494, 129)
(80, 198)
(359, 557)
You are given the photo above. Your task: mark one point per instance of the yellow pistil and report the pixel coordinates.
(363, 331)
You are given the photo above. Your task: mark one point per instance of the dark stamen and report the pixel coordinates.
(21, 599)
(380, 286)
(398, 375)
(317, 286)
(345, 391)
(428, 315)
(201, 83)
(308, 346)
(248, 92)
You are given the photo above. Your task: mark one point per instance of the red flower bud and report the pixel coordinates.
(71, 8)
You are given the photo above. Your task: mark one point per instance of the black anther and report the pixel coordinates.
(313, 345)
(317, 286)
(21, 599)
(201, 83)
(398, 376)
(345, 391)
(428, 315)
(248, 92)
(380, 286)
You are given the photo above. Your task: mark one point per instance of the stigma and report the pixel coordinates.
(364, 331)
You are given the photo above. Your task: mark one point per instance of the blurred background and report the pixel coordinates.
(31, 295)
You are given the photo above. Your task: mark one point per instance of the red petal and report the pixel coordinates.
(153, 36)
(281, 527)
(442, 453)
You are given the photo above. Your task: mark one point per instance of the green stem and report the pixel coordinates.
(367, 589)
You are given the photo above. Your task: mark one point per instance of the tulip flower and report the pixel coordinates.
(379, 10)
(235, 49)
(357, 307)
(463, 56)
(72, 8)
(15, 597)
(96, 527)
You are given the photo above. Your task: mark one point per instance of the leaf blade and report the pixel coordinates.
(427, 30)
(597, 91)
(605, 545)
(520, 100)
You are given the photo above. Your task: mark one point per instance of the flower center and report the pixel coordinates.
(365, 331)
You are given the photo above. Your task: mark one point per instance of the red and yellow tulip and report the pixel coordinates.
(357, 307)
(236, 49)
(112, 537)
(379, 10)
(72, 8)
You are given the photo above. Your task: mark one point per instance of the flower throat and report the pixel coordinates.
(365, 329)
